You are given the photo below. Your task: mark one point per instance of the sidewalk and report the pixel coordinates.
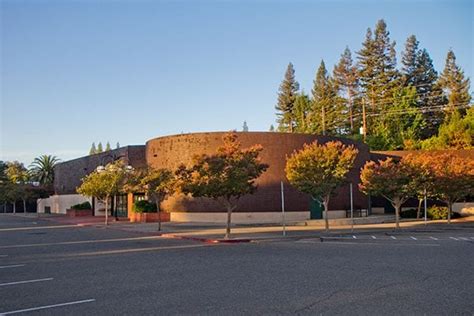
(214, 232)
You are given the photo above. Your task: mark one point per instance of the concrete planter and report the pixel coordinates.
(149, 217)
(77, 213)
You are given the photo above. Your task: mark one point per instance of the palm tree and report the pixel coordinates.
(42, 168)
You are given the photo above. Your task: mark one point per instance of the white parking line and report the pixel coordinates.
(434, 238)
(354, 237)
(26, 281)
(413, 238)
(463, 238)
(12, 266)
(453, 238)
(373, 237)
(472, 238)
(46, 307)
(393, 237)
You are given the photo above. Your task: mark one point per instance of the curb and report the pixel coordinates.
(207, 240)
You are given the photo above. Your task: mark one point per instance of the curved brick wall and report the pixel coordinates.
(170, 151)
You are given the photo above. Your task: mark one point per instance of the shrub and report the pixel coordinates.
(411, 213)
(82, 206)
(440, 212)
(144, 207)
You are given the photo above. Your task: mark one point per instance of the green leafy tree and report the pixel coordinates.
(16, 172)
(93, 150)
(456, 133)
(104, 184)
(346, 82)
(99, 148)
(286, 100)
(319, 170)
(157, 184)
(327, 108)
(107, 147)
(455, 85)
(224, 176)
(42, 169)
(301, 112)
(390, 179)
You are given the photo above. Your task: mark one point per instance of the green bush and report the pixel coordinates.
(440, 212)
(82, 206)
(144, 207)
(411, 213)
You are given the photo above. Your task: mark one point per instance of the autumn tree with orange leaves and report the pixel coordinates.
(390, 179)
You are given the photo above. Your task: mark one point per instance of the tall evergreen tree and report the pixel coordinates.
(455, 85)
(93, 150)
(117, 146)
(107, 147)
(301, 112)
(245, 127)
(377, 69)
(99, 148)
(418, 71)
(286, 100)
(347, 83)
(327, 108)
(272, 128)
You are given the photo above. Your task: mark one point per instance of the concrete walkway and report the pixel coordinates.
(214, 232)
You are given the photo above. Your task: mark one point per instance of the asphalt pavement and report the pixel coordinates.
(52, 269)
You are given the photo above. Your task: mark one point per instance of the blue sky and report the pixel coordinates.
(77, 72)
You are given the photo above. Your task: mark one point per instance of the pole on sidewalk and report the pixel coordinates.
(426, 208)
(352, 208)
(283, 209)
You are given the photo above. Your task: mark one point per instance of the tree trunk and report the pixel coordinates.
(159, 214)
(107, 211)
(24, 205)
(14, 207)
(450, 209)
(326, 208)
(397, 214)
(229, 217)
(418, 212)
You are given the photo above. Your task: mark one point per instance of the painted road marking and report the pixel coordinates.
(12, 266)
(453, 238)
(26, 281)
(47, 306)
(393, 237)
(373, 237)
(36, 228)
(80, 242)
(463, 238)
(472, 238)
(354, 237)
(413, 238)
(434, 238)
(3, 256)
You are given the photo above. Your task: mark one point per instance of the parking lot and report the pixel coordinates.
(53, 269)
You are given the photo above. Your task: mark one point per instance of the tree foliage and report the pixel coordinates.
(318, 169)
(388, 178)
(42, 169)
(286, 100)
(224, 176)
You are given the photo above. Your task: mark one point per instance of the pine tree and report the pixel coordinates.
(327, 108)
(455, 85)
(272, 128)
(301, 111)
(346, 83)
(107, 147)
(93, 150)
(418, 71)
(117, 146)
(245, 127)
(286, 100)
(409, 61)
(99, 148)
(377, 69)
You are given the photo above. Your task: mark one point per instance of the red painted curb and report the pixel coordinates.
(206, 240)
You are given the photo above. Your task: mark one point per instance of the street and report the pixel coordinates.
(50, 269)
